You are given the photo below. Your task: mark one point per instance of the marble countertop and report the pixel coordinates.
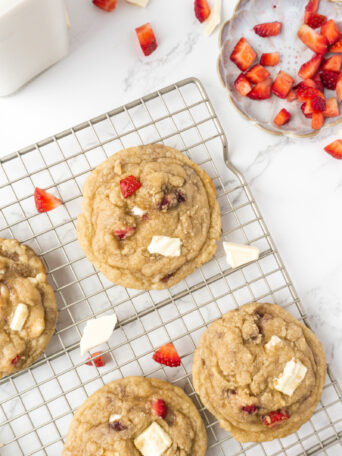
(297, 185)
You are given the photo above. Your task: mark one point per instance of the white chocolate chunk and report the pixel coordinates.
(214, 18)
(153, 441)
(19, 317)
(293, 374)
(137, 211)
(97, 331)
(273, 342)
(239, 254)
(114, 417)
(142, 3)
(166, 246)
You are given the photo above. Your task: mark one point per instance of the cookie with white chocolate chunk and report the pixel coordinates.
(260, 372)
(149, 217)
(28, 310)
(137, 416)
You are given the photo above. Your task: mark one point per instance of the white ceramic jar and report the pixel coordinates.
(33, 36)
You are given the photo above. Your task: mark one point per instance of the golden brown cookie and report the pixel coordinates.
(260, 372)
(28, 310)
(134, 203)
(137, 416)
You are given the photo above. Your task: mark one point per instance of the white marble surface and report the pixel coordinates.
(297, 186)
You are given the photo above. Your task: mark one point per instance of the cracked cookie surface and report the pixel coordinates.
(130, 401)
(236, 370)
(27, 302)
(139, 193)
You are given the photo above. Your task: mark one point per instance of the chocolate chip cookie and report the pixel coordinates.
(260, 372)
(28, 310)
(137, 416)
(149, 217)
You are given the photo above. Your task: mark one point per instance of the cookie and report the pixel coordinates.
(137, 416)
(28, 310)
(149, 217)
(260, 372)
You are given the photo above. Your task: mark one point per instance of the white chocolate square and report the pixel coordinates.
(166, 246)
(239, 254)
(293, 374)
(19, 318)
(153, 441)
(273, 342)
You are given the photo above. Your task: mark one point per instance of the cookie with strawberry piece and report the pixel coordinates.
(137, 415)
(253, 369)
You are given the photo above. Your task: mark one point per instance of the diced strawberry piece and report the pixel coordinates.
(333, 63)
(306, 111)
(276, 417)
(307, 93)
(166, 278)
(282, 117)
(129, 185)
(242, 85)
(202, 10)
(312, 39)
(335, 149)
(306, 83)
(97, 359)
(106, 5)
(15, 360)
(336, 47)
(317, 104)
(310, 68)
(317, 121)
(330, 31)
(167, 355)
(329, 78)
(159, 408)
(339, 88)
(124, 233)
(45, 201)
(147, 39)
(315, 20)
(291, 96)
(318, 81)
(257, 73)
(270, 59)
(282, 84)
(332, 109)
(268, 29)
(262, 90)
(243, 54)
(312, 6)
(250, 409)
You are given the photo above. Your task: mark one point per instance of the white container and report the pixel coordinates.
(33, 36)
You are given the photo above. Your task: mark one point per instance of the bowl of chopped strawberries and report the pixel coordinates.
(281, 63)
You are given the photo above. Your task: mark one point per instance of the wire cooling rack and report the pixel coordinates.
(37, 405)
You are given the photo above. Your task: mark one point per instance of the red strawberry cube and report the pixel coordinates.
(275, 417)
(317, 121)
(282, 118)
(282, 84)
(336, 47)
(262, 90)
(106, 5)
(159, 408)
(268, 29)
(242, 85)
(330, 31)
(129, 185)
(312, 39)
(332, 109)
(167, 355)
(202, 10)
(243, 54)
(45, 201)
(97, 359)
(335, 149)
(339, 87)
(270, 59)
(310, 68)
(333, 63)
(147, 39)
(257, 73)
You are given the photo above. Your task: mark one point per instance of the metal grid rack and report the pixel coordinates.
(36, 406)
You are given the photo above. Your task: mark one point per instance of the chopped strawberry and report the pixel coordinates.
(316, 104)
(332, 109)
(339, 88)
(129, 185)
(167, 355)
(330, 31)
(262, 90)
(126, 232)
(15, 360)
(315, 20)
(243, 54)
(45, 201)
(202, 10)
(268, 29)
(257, 74)
(282, 84)
(306, 111)
(317, 120)
(276, 417)
(97, 359)
(291, 96)
(147, 39)
(250, 409)
(307, 93)
(159, 408)
(312, 39)
(310, 68)
(312, 6)
(333, 63)
(306, 83)
(106, 5)
(242, 85)
(270, 59)
(335, 149)
(282, 117)
(318, 81)
(336, 47)
(329, 78)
